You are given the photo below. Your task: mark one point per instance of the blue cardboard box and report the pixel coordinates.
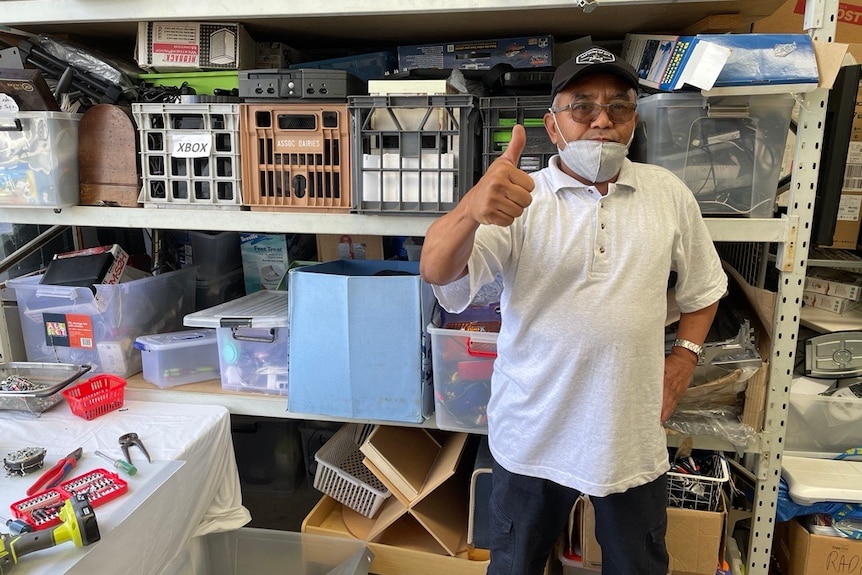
(358, 345)
(371, 66)
(524, 52)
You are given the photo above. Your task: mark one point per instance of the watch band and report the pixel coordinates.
(690, 346)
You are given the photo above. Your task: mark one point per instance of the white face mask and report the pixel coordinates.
(592, 160)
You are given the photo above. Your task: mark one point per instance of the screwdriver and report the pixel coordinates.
(120, 464)
(17, 526)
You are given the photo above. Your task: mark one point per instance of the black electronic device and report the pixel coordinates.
(298, 84)
(840, 111)
(28, 89)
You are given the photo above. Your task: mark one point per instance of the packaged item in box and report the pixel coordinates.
(413, 154)
(276, 55)
(265, 260)
(179, 357)
(364, 66)
(830, 281)
(357, 346)
(39, 159)
(73, 325)
(727, 149)
(834, 304)
(252, 335)
(177, 46)
(523, 52)
(296, 156)
(190, 155)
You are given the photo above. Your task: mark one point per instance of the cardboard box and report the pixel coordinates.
(179, 46)
(834, 304)
(265, 260)
(695, 539)
(276, 55)
(349, 247)
(830, 281)
(789, 18)
(358, 345)
(720, 60)
(524, 52)
(392, 557)
(848, 221)
(800, 552)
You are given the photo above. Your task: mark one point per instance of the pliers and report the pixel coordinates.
(130, 439)
(55, 475)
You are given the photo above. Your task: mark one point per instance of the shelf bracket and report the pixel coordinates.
(587, 5)
(787, 250)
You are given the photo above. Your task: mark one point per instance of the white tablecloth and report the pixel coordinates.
(191, 488)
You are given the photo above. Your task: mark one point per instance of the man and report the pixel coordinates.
(581, 385)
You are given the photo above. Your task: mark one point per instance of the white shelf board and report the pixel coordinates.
(825, 321)
(721, 229)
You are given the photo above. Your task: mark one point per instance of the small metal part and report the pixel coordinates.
(24, 461)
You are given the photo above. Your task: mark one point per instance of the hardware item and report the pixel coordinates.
(130, 439)
(55, 475)
(24, 461)
(78, 524)
(298, 84)
(834, 355)
(123, 466)
(17, 526)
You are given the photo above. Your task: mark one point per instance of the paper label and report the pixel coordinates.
(68, 330)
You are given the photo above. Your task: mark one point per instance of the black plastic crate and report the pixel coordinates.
(413, 154)
(500, 113)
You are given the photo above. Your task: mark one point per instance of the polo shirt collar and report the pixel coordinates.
(561, 180)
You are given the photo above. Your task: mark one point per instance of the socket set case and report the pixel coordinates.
(190, 155)
(413, 154)
(42, 510)
(296, 156)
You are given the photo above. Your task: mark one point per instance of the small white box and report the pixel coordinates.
(834, 304)
(180, 357)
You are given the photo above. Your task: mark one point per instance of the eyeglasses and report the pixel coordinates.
(586, 112)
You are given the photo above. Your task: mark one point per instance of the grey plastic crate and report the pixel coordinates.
(413, 154)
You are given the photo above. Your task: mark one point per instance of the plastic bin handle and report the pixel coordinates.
(481, 348)
(10, 128)
(234, 332)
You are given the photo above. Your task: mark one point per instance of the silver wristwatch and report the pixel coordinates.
(690, 346)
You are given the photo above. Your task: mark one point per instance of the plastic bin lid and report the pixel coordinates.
(264, 308)
(176, 340)
(810, 480)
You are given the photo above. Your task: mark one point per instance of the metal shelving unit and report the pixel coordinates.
(408, 21)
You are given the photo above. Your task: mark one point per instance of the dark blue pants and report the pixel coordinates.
(529, 514)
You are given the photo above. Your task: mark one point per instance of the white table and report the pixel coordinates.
(191, 488)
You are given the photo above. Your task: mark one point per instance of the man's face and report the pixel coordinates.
(598, 89)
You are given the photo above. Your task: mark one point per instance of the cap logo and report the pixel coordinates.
(595, 56)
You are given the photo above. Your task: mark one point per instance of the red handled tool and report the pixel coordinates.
(55, 475)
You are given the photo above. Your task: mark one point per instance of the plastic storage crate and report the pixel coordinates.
(296, 156)
(727, 149)
(342, 475)
(273, 552)
(179, 357)
(699, 491)
(252, 334)
(189, 155)
(97, 396)
(413, 154)
(463, 362)
(71, 324)
(39, 159)
(500, 114)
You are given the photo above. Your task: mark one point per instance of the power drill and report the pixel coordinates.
(78, 524)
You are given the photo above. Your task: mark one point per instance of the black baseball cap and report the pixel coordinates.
(592, 59)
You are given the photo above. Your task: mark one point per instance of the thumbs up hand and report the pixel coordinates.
(503, 192)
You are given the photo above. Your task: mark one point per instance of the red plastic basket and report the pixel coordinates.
(97, 396)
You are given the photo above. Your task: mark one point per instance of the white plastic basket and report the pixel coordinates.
(342, 475)
(700, 492)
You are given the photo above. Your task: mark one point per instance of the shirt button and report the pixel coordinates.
(603, 226)
(601, 250)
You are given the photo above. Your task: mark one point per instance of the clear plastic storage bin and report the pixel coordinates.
(39, 159)
(70, 324)
(179, 357)
(727, 149)
(252, 336)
